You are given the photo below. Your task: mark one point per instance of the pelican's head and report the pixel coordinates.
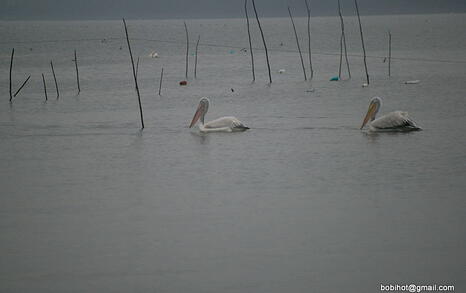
(201, 111)
(374, 107)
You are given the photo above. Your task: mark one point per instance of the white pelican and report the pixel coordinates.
(394, 121)
(223, 124)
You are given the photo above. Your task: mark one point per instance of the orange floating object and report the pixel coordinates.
(183, 82)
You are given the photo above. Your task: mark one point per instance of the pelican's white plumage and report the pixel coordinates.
(394, 121)
(223, 124)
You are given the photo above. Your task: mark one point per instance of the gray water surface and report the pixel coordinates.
(302, 202)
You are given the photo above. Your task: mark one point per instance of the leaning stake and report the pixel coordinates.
(137, 67)
(308, 8)
(77, 71)
(389, 51)
(195, 60)
(160, 84)
(341, 56)
(55, 79)
(362, 40)
(21, 87)
(187, 48)
(134, 74)
(343, 42)
(263, 40)
(45, 87)
(297, 43)
(11, 68)
(250, 43)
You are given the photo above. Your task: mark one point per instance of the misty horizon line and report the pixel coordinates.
(23, 10)
(132, 17)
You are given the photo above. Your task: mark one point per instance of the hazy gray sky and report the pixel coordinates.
(111, 9)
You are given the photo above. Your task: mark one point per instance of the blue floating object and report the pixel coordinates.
(335, 78)
(232, 51)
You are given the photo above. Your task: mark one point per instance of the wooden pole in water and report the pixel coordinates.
(362, 40)
(45, 87)
(160, 85)
(187, 48)
(137, 67)
(134, 74)
(341, 56)
(297, 43)
(343, 41)
(11, 69)
(55, 79)
(389, 51)
(308, 8)
(77, 71)
(195, 60)
(263, 40)
(250, 42)
(346, 56)
(21, 87)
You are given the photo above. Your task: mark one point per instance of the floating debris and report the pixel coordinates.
(412, 81)
(183, 82)
(365, 84)
(335, 78)
(154, 54)
(281, 71)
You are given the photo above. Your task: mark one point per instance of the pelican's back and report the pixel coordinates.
(394, 121)
(226, 122)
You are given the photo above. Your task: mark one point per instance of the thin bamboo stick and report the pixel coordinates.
(263, 40)
(55, 79)
(137, 67)
(160, 85)
(45, 87)
(21, 87)
(341, 56)
(195, 60)
(346, 56)
(362, 40)
(187, 48)
(77, 71)
(389, 52)
(343, 42)
(134, 75)
(308, 8)
(250, 42)
(11, 69)
(297, 43)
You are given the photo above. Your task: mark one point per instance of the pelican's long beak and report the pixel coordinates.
(197, 115)
(369, 114)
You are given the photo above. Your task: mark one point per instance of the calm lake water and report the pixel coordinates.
(303, 202)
